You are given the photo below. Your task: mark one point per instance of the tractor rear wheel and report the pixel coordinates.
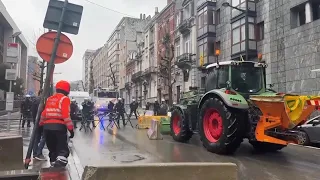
(266, 147)
(221, 129)
(179, 126)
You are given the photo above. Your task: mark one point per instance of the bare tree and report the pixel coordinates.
(166, 65)
(113, 77)
(39, 76)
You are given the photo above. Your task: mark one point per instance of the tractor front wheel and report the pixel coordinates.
(179, 126)
(221, 131)
(266, 147)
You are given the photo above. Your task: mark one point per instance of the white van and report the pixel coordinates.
(79, 96)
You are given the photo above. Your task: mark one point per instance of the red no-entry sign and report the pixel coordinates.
(45, 45)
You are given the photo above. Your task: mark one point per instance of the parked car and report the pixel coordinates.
(312, 131)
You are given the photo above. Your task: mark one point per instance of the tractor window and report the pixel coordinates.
(247, 79)
(211, 80)
(223, 76)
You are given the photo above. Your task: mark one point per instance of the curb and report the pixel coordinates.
(76, 162)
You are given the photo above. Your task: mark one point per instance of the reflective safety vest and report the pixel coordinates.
(57, 111)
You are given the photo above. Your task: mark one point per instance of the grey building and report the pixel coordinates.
(86, 68)
(286, 33)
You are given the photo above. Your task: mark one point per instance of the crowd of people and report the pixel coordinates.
(60, 116)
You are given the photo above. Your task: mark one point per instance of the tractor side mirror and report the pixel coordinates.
(315, 122)
(228, 83)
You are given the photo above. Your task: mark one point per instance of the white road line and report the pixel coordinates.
(305, 146)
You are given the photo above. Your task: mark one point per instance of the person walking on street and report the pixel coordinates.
(133, 108)
(26, 107)
(148, 106)
(156, 108)
(74, 112)
(55, 120)
(163, 108)
(119, 107)
(40, 140)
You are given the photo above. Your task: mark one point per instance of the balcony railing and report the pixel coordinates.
(136, 76)
(185, 26)
(148, 71)
(128, 85)
(184, 60)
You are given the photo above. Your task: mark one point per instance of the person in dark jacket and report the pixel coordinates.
(163, 108)
(119, 107)
(110, 106)
(40, 140)
(133, 108)
(26, 110)
(88, 111)
(74, 112)
(148, 106)
(156, 108)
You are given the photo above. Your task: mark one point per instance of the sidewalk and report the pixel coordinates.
(74, 169)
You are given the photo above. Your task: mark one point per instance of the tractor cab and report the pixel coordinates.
(242, 77)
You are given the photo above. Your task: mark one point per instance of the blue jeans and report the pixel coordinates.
(37, 149)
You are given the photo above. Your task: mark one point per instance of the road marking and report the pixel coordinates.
(306, 146)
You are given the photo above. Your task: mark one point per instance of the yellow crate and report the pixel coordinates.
(144, 122)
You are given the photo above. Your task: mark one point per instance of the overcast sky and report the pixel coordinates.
(95, 28)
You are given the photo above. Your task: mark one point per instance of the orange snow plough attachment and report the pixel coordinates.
(280, 114)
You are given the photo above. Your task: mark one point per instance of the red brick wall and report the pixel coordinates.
(166, 23)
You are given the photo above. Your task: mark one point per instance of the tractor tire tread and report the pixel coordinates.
(234, 134)
(185, 134)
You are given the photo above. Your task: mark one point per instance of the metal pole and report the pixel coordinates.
(10, 89)
(46, 86)
(247, 31)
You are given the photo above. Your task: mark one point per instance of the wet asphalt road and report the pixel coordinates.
(292, 163)
(132, 146)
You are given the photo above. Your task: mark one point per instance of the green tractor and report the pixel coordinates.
(223, 116)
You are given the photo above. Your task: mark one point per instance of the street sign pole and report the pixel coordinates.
(11, 96)
(46, 85)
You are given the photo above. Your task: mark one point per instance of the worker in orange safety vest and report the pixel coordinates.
(56, 121)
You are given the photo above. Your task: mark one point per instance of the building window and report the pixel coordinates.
(260, 31)
(315, 10)
(187, 44)
(178, 50)
(200, 23)
(305, 13)
(178, 19)
(218, 16)
(239, 34)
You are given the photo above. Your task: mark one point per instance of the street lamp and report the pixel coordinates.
(246, 12)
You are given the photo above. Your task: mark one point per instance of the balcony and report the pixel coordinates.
(185, 26)
(128, 85)
(148, 71)
(136, 76)
(184, 61)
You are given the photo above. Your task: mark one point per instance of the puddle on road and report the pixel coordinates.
(128, 158)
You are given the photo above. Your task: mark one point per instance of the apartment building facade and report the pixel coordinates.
(86, 68)
(185, 47)
(142, 65)
(32, 83)
(100, 64)
(286, 33)
(166, 25)
(131, 38)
